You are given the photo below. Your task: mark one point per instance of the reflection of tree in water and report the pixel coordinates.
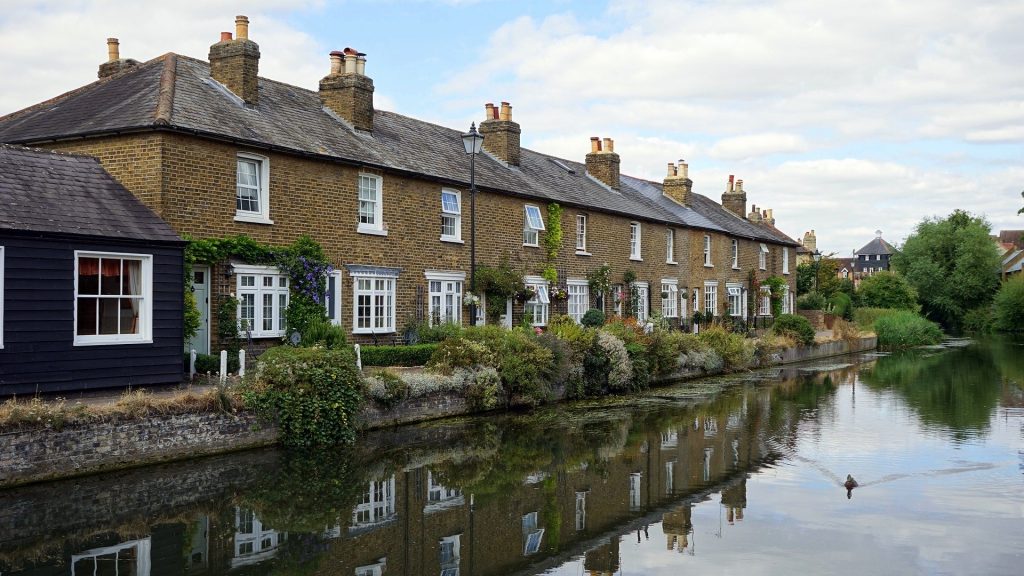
(955, 391)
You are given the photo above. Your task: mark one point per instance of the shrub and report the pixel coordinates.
(841, 305)
(312, 394)
(620, 372)
(627, 330)
(210, 364)
(490, 336)
(706, 359)
(412, 355)
(1008, 307)
(561, 355)
(981, 320)
(387, 388)
(770, 344)
(458, 353)
(866, 317)
(845, 330)
(593, 318)
(481, 387)
(324, 334)
(794, 326)
(641, 376)
(525, 367)
(735, 351)
(811, 301)
(905, 328)
(425, 333)
(887, 290)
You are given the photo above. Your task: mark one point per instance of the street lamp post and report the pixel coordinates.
(817, 266)
(473, 141)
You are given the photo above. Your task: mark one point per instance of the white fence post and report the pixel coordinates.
(192, 364)
(241, 363)
(223, 366)
(359, 357)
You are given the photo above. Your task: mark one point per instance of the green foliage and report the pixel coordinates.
(804, 278)
(425, 333)
(641, 376)
(778, 286)
(866, 317)
(325, 335)
(600, 280)
(794, 326)
(193, 316)
(395, 390)
(628, 277)
(620, 374)
(210, 364)
(953, 265)
(550, 274)
(483, 388)
(498, 284)
(553, 235)
(736, 351)
(841, 305)
(981, 320)
(411, 355)
(1008, 306)
(826, 272)
(303, 313)
(525, 367)
(227, 325)
(811, 301)
(456, 353)
(593, 318)
(887, 290)
(312, 394)
(905, 328)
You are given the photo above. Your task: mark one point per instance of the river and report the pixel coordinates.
(734, 475)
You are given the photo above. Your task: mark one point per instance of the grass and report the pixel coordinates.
(904, 329)
(56, 413)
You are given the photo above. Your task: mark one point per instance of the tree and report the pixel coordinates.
(887, 290)
(1008, 307)
(953, 265)
(826, 271)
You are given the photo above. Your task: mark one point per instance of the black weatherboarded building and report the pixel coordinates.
(90, 279)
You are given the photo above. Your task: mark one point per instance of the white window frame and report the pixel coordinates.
(581, 511)
(581, 234)
(642, 290)
(261, 216)
(145, 332)
(334, 307)
(670, 305)
(635, 238)
(579, 298)
(540, 303)
(707, 251)
(617, 295)
(378, 504)
(260, 291)
(711, 298)
(766, 301)
(670, 246)
(787, 304)
(734, 293)
(785, 260)
(532, 536)
(451, 284)
(390, 294)
(454, 215)
(532, 228)
(143, 556)
(377, 226)
(735, 254)
(762, 257)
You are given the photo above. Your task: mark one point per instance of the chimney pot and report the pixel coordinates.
(684, 168)
(731, 184)
(350, 61)
(595, 144)
(489, 111)
(242, 27)
(739, 186)
(361, 64)
(609, 145)
(337, 58)
(225, 36)
(671, 170)
(113, 52)
(506, 112)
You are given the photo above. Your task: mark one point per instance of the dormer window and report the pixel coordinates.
(533, 224)
(252, 196)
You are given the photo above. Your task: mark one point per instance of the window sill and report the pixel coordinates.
(635, 259)
(255, 335)
(709, 265)
(371, 231)
(583, 253)
(373, 331)
(252, 219)
(451, 240)
(736, 268)
(111, 342)
(672, 262)
(525, 245)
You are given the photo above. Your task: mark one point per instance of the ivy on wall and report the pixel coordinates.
(552, 241)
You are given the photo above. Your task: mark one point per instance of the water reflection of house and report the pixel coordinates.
(734, 499)
(603, 560)
(254, 541)
(132, 557)
(677, 526)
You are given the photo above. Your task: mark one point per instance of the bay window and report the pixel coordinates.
(766, 301)
(113, 298)
(617, 299)
(332, 299)
(262, 300)
(641, 299)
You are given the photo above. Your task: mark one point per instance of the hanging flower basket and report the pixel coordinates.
(558, 294)
(471, 299)
(525, 294)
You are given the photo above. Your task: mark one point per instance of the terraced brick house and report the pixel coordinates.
(217, 150)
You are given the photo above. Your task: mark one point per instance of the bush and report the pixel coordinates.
(735, 351)
(458, 353)
(324, 334)
(481, 387)
(981, 320)
(620, 368)
(593, 318)
(412, 355)
(1008, 307)
(641, 376)
(905, 328)
(312, 394)
(866, 317)
(525, 367)
(841, 305)
(426, 333)
(388, 389)
(210, 364)
(887, 290)
(811, 301)
(794, 326)
(626, 329)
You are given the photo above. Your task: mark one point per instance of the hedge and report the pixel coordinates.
(411, 355)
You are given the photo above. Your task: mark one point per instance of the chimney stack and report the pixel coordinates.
(347, 91)
(770, 218)
(114, 63)
(235, 62)
(734, 199)
(810, 241)
(501, 134)
(677, 185)
(755, 214)
(603, 163)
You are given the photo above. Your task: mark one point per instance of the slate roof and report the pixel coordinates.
(176, 93)
(52, 192)
(876, 246)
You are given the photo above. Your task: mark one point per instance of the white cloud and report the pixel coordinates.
(751, 145)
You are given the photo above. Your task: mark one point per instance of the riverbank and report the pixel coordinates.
(124, 440)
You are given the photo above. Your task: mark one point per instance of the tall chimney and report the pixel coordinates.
(347, 91)
(603, 164)
(734, 199)
(755, 214)
(677, 184)
(771, 218)
(235, 63)
(501, 134)
(810, 241)
(115, 63)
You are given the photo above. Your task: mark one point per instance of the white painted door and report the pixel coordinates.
(201, 290)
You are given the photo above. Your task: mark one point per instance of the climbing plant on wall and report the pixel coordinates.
(552, 241)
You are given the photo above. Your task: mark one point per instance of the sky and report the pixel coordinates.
(843, 117)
